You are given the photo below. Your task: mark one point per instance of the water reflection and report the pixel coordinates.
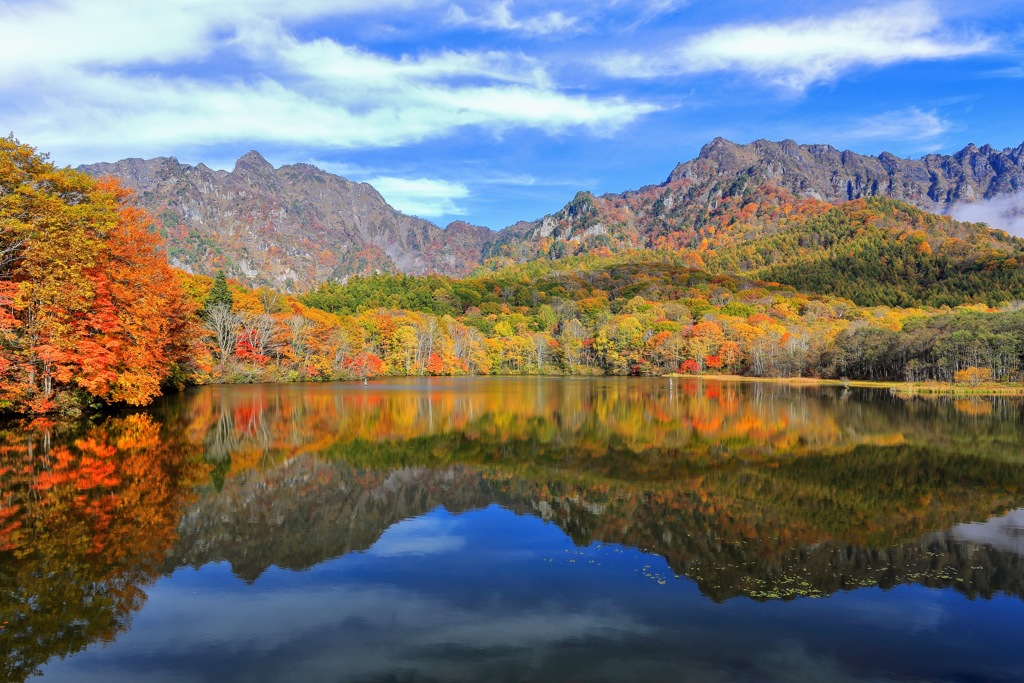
(764, 492)
(757, 490)
(87, 516)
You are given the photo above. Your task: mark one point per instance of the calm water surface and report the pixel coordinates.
(517, 530)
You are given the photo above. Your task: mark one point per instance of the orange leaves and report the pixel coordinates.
(89, 468)
(365, 365)
(435, 365)
(10, 525)
(91, 302)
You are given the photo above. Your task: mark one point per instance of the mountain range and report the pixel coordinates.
(295, 226)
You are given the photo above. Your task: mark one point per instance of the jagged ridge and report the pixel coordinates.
(289, 227)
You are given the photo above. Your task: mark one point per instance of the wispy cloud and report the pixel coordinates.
(498, 16)
(109, 93)
(798, 53)
(1008, 72)
(649, 11)
(424, 197)
(902, 124)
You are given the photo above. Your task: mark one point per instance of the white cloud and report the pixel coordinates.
(498, 16)
(799, 53)
(902, 124)
(133, 115)
(104, 91)
(424, 197)
(102, 33)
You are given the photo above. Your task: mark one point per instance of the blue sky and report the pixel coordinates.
(494, 111)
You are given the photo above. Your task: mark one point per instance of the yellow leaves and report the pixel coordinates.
(504, 329)
(96, 305)
(973, 376)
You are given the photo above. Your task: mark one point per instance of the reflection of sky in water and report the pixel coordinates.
(1005, 532)
(424, 535)
(492, 596)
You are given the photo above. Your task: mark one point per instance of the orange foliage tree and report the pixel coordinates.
(90, 305)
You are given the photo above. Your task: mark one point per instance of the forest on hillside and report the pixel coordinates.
(91, 313)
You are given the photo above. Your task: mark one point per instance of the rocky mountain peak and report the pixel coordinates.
(291, 227)
(254, 163)
(935, 182)
(714, 147)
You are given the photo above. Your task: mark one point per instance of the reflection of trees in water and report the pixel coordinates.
(766, 530)
(758, 490)
(757, 419)
(222, 438)
(710, 475)
(94, 513)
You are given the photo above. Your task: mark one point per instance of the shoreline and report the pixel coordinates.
(902, 389)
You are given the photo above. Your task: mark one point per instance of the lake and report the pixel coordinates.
(517, 529)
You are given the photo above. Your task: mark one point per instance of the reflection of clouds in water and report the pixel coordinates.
(363, 632)
(350, 633)
(792, 663)
(528, 630)
(421, 536)
(1005, 532)
(916, 613)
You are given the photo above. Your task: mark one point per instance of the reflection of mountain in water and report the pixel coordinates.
(761, 491)
(309, 510)
(758, 490)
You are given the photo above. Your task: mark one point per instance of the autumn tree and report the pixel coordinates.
(91, 307)
(705, 339)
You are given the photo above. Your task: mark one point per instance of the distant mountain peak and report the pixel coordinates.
(253, 161)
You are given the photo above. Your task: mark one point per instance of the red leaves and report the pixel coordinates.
(435, 365)
(365, 364)
(245, 351)
(90, 302)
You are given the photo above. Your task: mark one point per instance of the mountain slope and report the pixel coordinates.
(289, 227)
(879, 251)
(733, 192)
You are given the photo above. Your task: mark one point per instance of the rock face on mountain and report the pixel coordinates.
(935, 182)
(289, 227)
(295, 226)
(728, 184)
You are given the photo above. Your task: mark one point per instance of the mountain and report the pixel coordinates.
(935, 183)
(296, 226)
(728, 184)
(289, 227)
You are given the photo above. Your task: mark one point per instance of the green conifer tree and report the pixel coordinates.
(219, 294)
